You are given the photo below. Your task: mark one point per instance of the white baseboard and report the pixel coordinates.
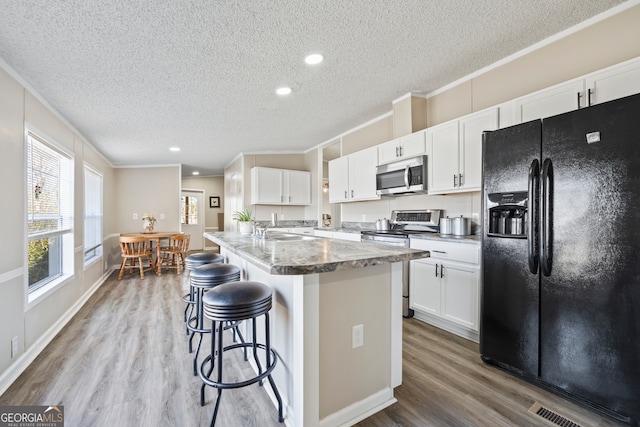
(360, 410)
(12, 373)
(447, 326)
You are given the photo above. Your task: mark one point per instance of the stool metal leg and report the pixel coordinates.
(255, 348)
(271, 381)
(219, 393)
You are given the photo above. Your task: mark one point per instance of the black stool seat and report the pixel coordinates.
(201, 258)
(234, 302)
(237, 301)
(192, 262)
(203, 279)
(214, 274)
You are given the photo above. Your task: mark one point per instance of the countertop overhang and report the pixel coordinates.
(317, 255)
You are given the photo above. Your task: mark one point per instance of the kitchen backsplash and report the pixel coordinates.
(461, 204)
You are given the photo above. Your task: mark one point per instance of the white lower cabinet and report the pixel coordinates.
(444, 288)
(342, 235)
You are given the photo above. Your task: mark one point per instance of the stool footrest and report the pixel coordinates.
(260, 377)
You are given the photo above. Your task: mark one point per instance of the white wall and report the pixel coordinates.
(34, 325)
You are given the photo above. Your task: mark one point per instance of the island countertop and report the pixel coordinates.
(312, 255)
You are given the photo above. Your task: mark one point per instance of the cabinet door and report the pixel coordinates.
(616, 82)
(413, 145)
(266, 186)
(471, 128)
(443, 162)
(460, 284)
(339, 180)
(298, 188)
(362, 174)
(424, 287)
(549, 102)
(388, 152)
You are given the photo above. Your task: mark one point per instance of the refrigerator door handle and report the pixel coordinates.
(532, 226)
(546, 233)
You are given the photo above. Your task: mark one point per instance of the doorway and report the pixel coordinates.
(192, 217)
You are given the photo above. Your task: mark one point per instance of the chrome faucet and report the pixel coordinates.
(261, 232)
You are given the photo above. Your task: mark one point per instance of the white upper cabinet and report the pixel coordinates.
(455, 163)
(601, 86)
(402, 148)
(614, 82)
(549, 102)
(339, 180)
(271, 186)
(353, 177)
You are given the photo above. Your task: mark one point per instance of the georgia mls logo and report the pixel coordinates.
(32, 416)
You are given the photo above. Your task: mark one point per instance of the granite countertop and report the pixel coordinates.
(311, 255)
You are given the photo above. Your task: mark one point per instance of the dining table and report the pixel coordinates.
(154, 237)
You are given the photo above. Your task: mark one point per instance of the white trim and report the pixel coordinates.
(171, 165)
(353, 413)
(338, 138)
(447, 325)
(37, 296)
(536, 46)
(409, 95)
(22, 363)
(12, 274)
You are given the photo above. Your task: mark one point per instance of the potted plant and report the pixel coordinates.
(245, 220)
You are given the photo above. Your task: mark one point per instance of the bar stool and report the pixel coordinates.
(234, 302)
(202, 280)
(192, 262)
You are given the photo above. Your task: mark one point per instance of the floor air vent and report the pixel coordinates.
(552, 417)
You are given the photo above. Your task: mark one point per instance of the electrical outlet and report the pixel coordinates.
(161, 216)
(135, 216)
(14, 347)
(357, 336)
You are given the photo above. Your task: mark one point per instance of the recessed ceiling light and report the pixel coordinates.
(314, 58)
(283, 90)
(174, 149)
(195, 173)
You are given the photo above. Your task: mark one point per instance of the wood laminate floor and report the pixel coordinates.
(122, 361)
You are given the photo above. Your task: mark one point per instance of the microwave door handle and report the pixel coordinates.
(407, 176)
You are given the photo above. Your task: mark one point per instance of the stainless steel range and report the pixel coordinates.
(402, 225)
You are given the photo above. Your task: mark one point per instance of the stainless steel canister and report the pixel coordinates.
(445, 226)
(461, 226)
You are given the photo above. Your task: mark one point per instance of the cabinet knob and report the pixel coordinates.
(436, 270)
(460, 179)
(441, 270)
(455, 180)
(345, 194)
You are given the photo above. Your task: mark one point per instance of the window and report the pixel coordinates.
(92, 215)
(49, 212)
(189, 210)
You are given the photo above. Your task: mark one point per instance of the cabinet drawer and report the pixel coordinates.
(461, 252)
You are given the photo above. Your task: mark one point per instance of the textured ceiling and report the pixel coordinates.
(137, 77)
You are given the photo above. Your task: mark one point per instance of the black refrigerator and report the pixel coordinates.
(561, 254)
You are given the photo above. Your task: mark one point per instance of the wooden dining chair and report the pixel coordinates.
(134, 251)
(173, 255)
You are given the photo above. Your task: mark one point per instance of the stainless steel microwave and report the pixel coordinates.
(403, 176)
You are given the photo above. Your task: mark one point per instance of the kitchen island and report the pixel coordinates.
(322, 289)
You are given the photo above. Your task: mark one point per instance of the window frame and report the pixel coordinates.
(97, 249)
(67, 250)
